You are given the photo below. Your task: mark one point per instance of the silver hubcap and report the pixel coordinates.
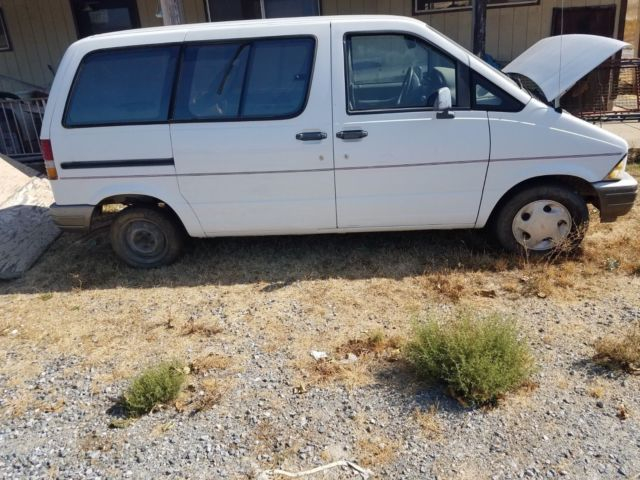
(541, 225)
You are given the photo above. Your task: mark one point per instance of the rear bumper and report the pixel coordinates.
(616, 198)
(72, 218)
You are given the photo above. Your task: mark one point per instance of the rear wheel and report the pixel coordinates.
(542, 219)
(146, 237)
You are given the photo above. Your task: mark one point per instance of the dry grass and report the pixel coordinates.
(283, 294)
(210, 362)
(205, 394)
(428, 421)
(18, 405)
(621, 350)
(207, 385)
(376, 344)
(376, 451)
(352, 363)
(597, 390)
(192, 327)
(97, 442)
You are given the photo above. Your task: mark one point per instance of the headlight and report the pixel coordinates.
(618, 170)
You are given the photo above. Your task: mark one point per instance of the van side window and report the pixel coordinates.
(259, 80)
(395, 71)
(279, 77)
(211, 81)
(122, 86)
(487, 96)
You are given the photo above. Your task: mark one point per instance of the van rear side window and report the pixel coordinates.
(263, 79)
(122, 87)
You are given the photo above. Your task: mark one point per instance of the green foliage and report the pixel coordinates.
(156, 385)
(479, 358)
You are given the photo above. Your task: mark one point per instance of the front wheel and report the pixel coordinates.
(146, 237)
(542, 219)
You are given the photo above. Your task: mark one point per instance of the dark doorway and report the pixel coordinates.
(593, 92)
(102, 16)
(222, 10)
(592, 20)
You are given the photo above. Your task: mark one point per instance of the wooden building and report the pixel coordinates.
(35, 33)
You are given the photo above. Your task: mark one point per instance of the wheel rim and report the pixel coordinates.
(542, 225)
(145, 239)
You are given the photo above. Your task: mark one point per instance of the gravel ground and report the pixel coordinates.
(569, 426)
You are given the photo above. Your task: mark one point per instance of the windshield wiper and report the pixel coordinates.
(230, 67)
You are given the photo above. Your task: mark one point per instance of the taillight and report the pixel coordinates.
(47, 156)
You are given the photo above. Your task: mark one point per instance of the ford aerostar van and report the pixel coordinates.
(322, 125)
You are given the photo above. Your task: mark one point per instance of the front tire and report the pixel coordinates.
(542, 219)
(146, 237)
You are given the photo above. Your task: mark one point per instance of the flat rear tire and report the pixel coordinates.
(146, 237)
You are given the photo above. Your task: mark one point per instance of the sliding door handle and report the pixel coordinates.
(352, 134)
(309, 136)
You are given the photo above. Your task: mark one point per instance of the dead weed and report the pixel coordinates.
(428, 421)
(620, 350)
(191, 327)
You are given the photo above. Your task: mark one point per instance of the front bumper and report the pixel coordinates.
(616, 198)
(72, 218)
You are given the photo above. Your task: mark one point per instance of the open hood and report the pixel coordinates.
(556, 64)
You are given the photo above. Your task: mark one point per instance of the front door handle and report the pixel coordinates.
(352, 134)
(309, 136)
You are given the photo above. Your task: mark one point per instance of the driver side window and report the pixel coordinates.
(395, 71)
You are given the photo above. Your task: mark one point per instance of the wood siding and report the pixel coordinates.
(509, 30)
(41, 30)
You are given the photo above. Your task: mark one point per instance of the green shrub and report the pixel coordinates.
(156, 385)
(478, 358)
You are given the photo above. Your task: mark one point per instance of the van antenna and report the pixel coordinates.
(557, 100)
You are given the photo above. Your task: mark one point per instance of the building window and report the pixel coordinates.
(101, 16)
(5, 42)
(223, 10)
(434, 6)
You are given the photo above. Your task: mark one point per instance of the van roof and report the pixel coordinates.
(213, 26)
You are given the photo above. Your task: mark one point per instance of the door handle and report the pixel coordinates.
(309, 136)
(352, 134)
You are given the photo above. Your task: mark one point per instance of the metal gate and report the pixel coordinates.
(20, 124)
(610, 92)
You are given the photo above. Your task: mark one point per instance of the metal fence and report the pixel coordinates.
(610, 92)
(20, 124)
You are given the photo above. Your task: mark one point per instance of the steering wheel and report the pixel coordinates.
(410, 82)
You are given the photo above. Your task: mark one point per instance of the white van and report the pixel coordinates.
(323, 125)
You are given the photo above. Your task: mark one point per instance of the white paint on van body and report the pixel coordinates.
(412, 171)
(255, 176)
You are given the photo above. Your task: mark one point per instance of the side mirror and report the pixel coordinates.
(443, 103)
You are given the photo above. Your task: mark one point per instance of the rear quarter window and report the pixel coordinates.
(122, 87)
